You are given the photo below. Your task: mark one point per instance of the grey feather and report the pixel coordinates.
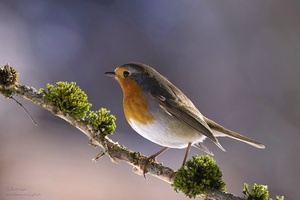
(203, 148)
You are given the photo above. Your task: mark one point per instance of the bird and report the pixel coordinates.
(160, 112)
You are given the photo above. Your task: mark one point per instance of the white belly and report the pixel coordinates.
(167, 131)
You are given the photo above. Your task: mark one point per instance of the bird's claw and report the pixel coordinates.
(149, 160)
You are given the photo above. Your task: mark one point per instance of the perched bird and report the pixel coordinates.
(160, 112)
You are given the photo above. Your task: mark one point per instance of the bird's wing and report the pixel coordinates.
(178, 105)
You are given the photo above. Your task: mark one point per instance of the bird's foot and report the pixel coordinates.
(153, 160)
(146, 166)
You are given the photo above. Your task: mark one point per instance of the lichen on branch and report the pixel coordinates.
(258, 192)
(102, 121)
(197, 176)
(8, 77)
(68, 97)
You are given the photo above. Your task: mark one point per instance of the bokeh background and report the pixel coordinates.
(238, 61)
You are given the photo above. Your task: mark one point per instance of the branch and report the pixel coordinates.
(116, 152)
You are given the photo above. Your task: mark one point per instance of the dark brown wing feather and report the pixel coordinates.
(177, 104)
(184, 115)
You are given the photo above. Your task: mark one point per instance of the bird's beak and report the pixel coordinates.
(111, 74)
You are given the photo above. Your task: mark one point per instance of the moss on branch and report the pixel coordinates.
(8, 77)
(68, 97)
(258, 192)
(197, 176)
(101, 120)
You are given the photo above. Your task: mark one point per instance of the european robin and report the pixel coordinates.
(160, 112)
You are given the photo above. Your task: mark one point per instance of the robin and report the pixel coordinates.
(160, 112)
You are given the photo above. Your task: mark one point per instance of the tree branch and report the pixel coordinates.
(114, 150)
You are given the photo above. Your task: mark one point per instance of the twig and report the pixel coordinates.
(26, 111)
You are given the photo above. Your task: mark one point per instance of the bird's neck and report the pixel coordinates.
(135, 103)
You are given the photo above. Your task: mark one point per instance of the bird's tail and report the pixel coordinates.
(220, 131)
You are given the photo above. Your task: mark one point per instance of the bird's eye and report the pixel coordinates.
(126, 73)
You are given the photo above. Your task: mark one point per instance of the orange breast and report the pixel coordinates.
(135, 103)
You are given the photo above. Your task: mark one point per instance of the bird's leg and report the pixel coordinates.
(153, 159)
(186, 153)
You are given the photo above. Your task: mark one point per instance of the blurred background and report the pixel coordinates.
(238, 61)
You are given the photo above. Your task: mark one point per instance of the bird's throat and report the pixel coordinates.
(135, 103)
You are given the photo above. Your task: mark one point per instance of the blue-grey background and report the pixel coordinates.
(238, 61)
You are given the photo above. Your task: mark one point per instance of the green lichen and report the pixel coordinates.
(279, 197)
(197, 176)
(258, 192)
(102, 121)
(68, 97)
(134, 157)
